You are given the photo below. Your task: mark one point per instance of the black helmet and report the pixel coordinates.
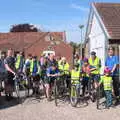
(93, 53)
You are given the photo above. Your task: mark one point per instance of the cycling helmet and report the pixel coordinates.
(85, 60)
(93, 53)
(107, 70)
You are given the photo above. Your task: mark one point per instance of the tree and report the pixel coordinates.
(24, 28)
(75, 46)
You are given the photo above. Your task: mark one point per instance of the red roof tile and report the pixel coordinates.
(35, 43)
(110, 15)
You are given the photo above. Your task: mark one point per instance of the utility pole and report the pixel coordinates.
(81, 28)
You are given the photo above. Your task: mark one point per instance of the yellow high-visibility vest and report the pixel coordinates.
(59, 63)
(96, 64)
(32, 66)
(64, 68)
(75, 76)
(107, 82)
(17, 63)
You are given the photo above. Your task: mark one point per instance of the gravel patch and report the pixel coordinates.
(43, 110)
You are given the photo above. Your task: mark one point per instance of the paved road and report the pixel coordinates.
(43, 110)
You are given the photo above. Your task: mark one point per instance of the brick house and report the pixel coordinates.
(36, 43)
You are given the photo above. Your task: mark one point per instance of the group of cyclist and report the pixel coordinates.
(45, 68)
(49, 67)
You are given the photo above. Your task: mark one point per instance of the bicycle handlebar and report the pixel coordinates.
(64, 71)
(78, 79)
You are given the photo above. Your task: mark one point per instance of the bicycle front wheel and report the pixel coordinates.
(55, 92)
(17, 91)
(73, 97)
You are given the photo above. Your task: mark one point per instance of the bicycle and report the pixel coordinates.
(20, 85)
(55, 91)
(2, 80)
(62, 87)
(100, 96)
(65, 80)
(91, 89)
(57, 88)
(75, 91)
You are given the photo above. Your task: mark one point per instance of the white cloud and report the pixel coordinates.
(79, 7)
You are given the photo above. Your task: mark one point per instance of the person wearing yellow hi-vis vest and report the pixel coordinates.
(80, 63)
(59, 63)
(35, 74)
(26, 68)
(19, 64)
(34, 66)
(107, 82)
(75, 75)
(95, 65)
(64, 68)
(75, 79)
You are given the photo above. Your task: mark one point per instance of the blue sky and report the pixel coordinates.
(50, 15)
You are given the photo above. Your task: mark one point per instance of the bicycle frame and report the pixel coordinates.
(56, 89)
(20, 81)
(92, 89)
(75, 91)
(17, 87)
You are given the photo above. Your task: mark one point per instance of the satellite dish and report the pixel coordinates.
(57, 42)
(47, 38)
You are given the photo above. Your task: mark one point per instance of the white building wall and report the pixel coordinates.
(97, 40)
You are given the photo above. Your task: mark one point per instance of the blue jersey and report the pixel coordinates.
(111, 61)
(51, 71)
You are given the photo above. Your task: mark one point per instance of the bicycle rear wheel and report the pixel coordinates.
(17, 91)
(98, 97)
(24, 92)
(29, 85)
(43, 91)
(92, 91)
(21, 92)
